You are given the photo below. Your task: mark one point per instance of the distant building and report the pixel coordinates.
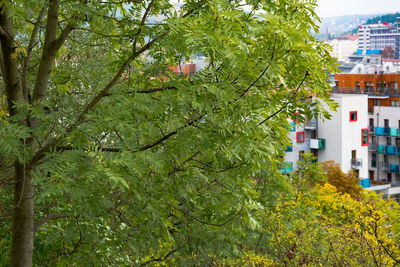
(379, 36)
(344, 46)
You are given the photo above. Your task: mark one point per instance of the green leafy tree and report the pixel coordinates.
(112, 159)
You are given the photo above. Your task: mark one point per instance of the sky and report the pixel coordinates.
(333, 8)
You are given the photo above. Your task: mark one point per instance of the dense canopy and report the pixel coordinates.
(109, 157)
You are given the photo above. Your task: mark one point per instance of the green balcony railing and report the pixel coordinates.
(394, 132)
(317, 143)
(381, 149)
(287, 168)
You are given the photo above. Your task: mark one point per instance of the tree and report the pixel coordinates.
(329, 228)
(388, 52)
(109, 155)
(344, 182)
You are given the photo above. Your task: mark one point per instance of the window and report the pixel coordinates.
(395, 103)
(386, 122)
(353, 115)
(300, 137)
(377, 102)
(389, 141)
(364, 137)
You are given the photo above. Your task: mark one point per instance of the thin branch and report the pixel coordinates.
(263, 72)
(160, 259)
(201, 221)
(284, 106)
(146, 13)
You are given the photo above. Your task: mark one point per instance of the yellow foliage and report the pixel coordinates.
(344, 182)
(328, 228)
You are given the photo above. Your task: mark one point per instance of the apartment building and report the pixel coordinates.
(343, 47)
(379, 36)
(344, 138)
(383, 110)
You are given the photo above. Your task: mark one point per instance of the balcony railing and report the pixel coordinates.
(317, 143)
(381, 149)
(356, 163)
(372, 147)
(391, 150)
(371, 129)
(394, 132)
(394, 168)
(383, 131)
(383, 166)
(365, 183)
(311, 124)
(287, 168)
(371, 91)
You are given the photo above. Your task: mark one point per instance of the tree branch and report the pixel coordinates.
(51, 45)
(284, 106)
(146, 13)
(201, 221)
(50, 217)
(31, 44)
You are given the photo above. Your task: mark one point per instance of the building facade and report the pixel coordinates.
(383, 111)
(343, 47)
(380, 36)
(343, 139)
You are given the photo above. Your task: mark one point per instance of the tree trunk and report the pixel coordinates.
(22, 218)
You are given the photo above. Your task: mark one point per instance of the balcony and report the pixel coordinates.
(365, 183)
(383, 131)
(394, 132)
(356, 164)
(311, 124)
(383, 166)
(317, 143)
(287, 168)
(289, 149)
(391, 150)
(381, 149)
(368, 90)
(372, 147)
(371, 129)
(394, 168)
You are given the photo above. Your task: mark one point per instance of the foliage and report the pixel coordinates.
(329, 228)
(344, 182)
(388, 52)
(113, 155)
(309, 173)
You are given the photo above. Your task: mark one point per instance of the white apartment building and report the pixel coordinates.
(343, 47)
(343, 139)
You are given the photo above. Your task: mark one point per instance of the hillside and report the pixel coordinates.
(337, 26)
(391, 18)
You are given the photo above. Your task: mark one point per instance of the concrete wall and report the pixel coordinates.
(342, 136)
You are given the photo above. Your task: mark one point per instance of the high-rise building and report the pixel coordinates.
(380, 36)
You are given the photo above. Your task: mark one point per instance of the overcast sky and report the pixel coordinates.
(332, 8)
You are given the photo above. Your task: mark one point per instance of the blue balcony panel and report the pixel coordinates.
(365, 183)
(391, 150)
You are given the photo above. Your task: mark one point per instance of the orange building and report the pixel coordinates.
(382, 89)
